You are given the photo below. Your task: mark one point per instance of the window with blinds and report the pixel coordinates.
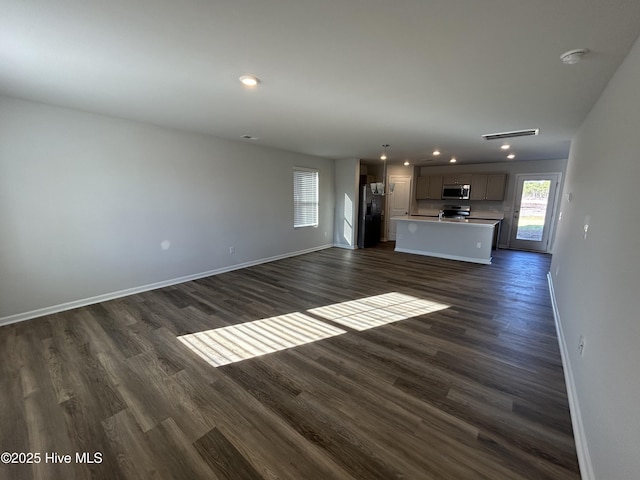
(305, 197)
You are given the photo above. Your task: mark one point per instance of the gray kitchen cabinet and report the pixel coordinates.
(435, 187)
(478, 187)
(422, 188)
(429, 187)
(495, 186)
(487, 186)
(457, 179)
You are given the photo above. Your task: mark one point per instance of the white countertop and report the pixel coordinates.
(449, 221)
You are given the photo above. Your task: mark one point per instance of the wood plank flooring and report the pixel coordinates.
(475, 390)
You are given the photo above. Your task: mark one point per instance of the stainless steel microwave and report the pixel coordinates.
(456, 192)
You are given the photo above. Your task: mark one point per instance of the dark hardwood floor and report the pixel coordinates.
(474, 390)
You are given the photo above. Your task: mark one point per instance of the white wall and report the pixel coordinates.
(597, 280)
(87, 200)
(347, 173)
(505, 206)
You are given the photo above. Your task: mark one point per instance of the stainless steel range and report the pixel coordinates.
(459, 212)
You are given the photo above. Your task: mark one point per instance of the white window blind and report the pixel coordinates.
(305, 197)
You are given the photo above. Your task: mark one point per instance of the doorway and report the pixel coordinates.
(397, 201)
(534, 204)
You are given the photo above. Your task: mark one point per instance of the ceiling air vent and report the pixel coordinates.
(515, 133)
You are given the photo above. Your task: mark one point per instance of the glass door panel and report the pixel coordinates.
(533, 211)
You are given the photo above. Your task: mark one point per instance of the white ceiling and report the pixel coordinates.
(339, 77)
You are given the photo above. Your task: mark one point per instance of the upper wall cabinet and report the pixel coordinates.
(459, 179)
(478, 187)
(429, 187)
(496, 186)
(488, 186)
(484, 186)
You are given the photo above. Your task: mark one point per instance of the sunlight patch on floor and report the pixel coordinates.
(222, 346)
(225, 345)
(377, 310)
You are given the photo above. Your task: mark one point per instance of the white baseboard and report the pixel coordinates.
(346, 247)
(20, 317)
(582, 449)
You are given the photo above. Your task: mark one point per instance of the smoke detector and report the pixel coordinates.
(573, 56)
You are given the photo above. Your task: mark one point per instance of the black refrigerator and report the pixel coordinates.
(369, 217)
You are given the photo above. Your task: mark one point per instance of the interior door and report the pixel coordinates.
(534, 204)
(397, 201)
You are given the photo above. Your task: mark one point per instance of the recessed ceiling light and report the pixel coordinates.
(573, 56)
(453, 160)
(249, 137)
(406, 163)
(505, 147)
(249, 80)
(436, 152)
(511, 156)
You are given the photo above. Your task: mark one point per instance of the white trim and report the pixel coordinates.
(20, 317)
(444, 255)
(582, 448)
(552, 215)
(342, 245)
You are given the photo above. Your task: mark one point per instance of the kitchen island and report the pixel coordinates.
(469, 240)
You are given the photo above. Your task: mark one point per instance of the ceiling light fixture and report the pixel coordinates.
(249, 80)
(436, 152)
(573, 56)
(453, 160)
(511, 156)
(384, 152)
(505, 147)
(406, 163)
